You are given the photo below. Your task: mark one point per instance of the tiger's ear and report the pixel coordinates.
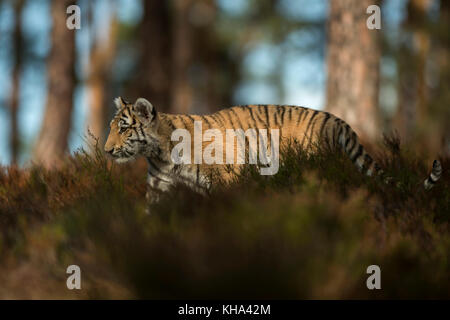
(144, 110)
(120, 102)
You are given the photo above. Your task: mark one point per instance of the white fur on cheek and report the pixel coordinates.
(124, 160)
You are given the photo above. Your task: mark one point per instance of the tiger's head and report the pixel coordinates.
(132, 130)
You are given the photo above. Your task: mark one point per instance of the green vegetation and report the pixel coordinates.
(308, 232)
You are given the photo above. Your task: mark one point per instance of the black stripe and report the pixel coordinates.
(171, 125)
(230, 118)
(142, 132)
(367, 162)
(222, 119)
(153, 113)
(300, 116)
(350, 151)
(156, 177)
(190, 117)
(327, 117)
(355, 142)
(377, 167)
(155, 167)
(306, 114)
(259, 117)
(266, 111)
(207, 121)
(346, 142)
(309, 124)
(337, 124)
(135, 131)
(237, 118)
(334, 133)
(253, 117)
(184, 122)
(282, 114)
(137, 140)
(127, 153)
(198, 173)
(214, 115)
(348, 131)
(348, 136)
(312, 131)
(358, 153)
(275, 117)
(432, 179)
(130, 112)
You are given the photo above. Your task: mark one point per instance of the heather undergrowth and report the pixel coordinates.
(310, 231)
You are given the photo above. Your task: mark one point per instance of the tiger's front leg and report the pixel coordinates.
(151, 197)
(155, 187)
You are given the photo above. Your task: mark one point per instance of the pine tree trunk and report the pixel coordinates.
(14, 103)
(353, 67)
(53, 137)
(210, 91)
(101, 59)
(152, 80)
(412, 89)
(443, 94)
(182, 92)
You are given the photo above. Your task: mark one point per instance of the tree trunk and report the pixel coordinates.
(153, 76)
(210, 92)
(52, 142)
(182, 54)
(353, 67)
(101, 58)
(422, 42)
(412, 89)
(14, 103)
(443, 94)
(171, 48)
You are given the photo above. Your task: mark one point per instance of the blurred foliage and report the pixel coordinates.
(308, 232)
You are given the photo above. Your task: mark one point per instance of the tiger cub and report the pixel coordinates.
(138, 129)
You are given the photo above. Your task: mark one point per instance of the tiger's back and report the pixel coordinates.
(308, 127)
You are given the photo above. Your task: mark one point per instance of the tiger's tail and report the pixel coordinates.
(434, 176)
(349, 142)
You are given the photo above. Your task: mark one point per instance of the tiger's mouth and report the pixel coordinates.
(122, 156)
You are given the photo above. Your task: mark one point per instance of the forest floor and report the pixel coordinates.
(309, 231)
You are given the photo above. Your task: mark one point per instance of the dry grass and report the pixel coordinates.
(308, 232)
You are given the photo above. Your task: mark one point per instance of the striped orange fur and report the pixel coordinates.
(137, 129)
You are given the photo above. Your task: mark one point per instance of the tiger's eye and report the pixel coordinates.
(122, 129)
